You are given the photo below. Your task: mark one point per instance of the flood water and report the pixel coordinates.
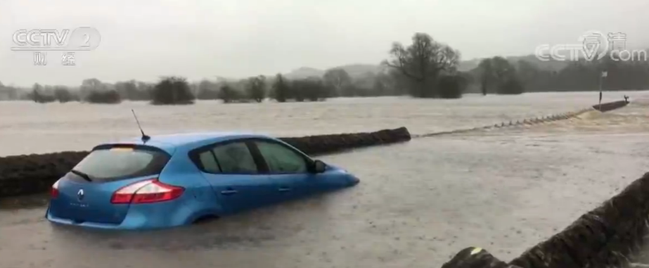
(27, 127)
(417, 204)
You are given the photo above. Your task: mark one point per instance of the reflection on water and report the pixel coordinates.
(417, 204)
(243, 230)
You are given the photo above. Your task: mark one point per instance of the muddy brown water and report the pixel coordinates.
(418, 202)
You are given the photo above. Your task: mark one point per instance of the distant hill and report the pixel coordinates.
(468, 65)
(354, 70)
(304, 72)
(359, 70)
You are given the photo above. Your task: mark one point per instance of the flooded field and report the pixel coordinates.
(27, 127)
(418, 203)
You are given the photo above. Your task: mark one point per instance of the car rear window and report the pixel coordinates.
(118, 163)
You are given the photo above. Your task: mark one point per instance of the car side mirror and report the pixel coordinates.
(319, 166)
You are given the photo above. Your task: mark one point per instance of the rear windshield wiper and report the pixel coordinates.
(81, 174)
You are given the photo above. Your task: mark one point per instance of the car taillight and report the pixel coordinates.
(149, 191)
(54, 192)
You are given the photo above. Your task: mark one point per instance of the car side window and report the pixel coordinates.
(208, 162)
(281, 159)
(235, 158)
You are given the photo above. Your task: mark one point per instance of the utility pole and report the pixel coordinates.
(601, 77)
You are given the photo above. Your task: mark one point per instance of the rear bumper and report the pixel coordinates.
(146, 216)
(129, 223)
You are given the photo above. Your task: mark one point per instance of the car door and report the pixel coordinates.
(236, 177)
(288, 170)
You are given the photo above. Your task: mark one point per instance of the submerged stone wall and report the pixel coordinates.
(524, 122)
(605, 107)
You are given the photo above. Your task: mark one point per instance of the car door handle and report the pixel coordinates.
(284, 189)
(229, 192)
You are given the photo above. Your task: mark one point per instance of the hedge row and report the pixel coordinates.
(35, 173)
(612, 235)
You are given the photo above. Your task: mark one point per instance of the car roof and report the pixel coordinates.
(170, 142)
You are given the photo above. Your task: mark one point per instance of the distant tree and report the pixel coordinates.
(36, 93)
(171, 91)
(256, 88)
(486, 75)
(501, 69)
(400, 84)
(499, 73)
(532, 77)
(92, 83)
(280, 89)
(129, 90)
(423, 62)
(94, 91)
(383, 83)
(506, 77)
(40, 95)
(466, 79)
(108, 96)
(207, 90)
(63, 94)
(8, 92)
(451, 86)
(144, 90)
(361, 86)
(511, 86)
(527, 71)
(380, 88)
(338, 80)
(312, 89)
(229, 94)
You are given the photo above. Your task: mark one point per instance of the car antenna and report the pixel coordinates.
(145, 138)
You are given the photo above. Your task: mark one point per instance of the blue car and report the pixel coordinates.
(173, 180)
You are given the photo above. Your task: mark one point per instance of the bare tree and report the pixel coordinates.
(256, 88)
(486, 75)
(280, 89)
(423, 62)
(337, 79)
(499, 74)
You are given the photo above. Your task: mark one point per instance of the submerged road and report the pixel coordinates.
(418, 203)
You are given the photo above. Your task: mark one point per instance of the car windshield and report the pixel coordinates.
(121, 163)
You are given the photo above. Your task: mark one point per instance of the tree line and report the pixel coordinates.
(500, 76)
(177, 90)
(424, 69)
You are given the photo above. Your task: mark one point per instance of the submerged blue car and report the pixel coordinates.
(174, 180)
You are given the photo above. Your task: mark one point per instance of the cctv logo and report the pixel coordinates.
(79, 39)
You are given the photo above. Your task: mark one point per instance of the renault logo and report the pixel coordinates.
(80, 194)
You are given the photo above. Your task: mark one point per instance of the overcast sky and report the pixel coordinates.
(145, 39)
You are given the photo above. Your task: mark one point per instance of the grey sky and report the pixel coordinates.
(145, 39)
